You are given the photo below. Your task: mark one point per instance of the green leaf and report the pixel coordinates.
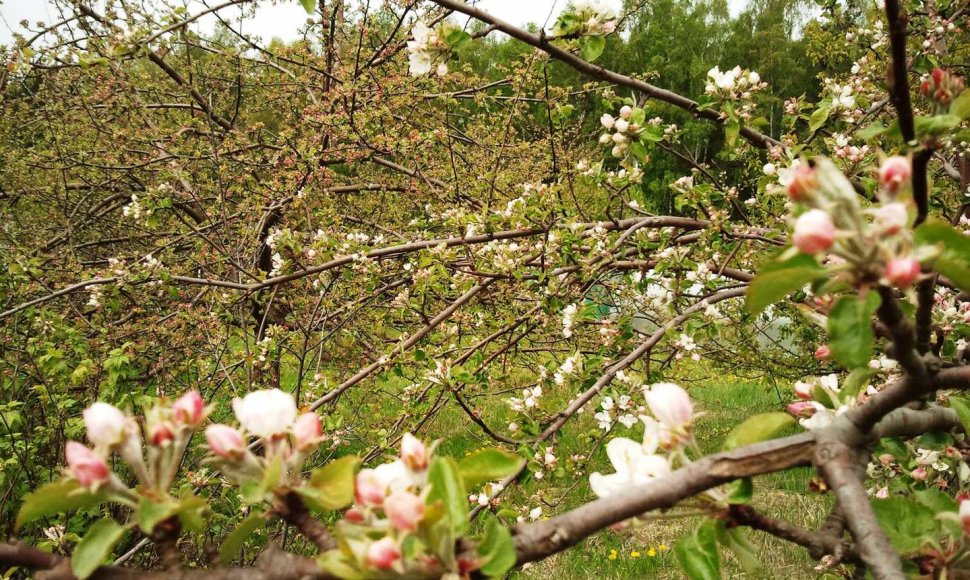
(332, 486)
(731, 131)
(954, 259)
(736, 540)
(936, 125)
(55, 498)
(447, 487)
(151, 512)
(818, 118)
(309, 5)
(963, 412)
(855, 381)
(850, 329)
(871, 131)
(740, 491)
(908, 524)
(697, 553)
(488, 464)
(235, 540)
(496, 549)
(255, 491)
(961, 105)
(778, 279)
(757, 428)
(95, 546)
(592, 47)
(456, 37)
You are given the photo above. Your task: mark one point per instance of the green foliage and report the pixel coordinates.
(95, 547)
(953, 260)
(488, 464)
(55, 498)
(850, 329)
(697, 553)
(757, 428)
(496, 549)
(234, 541)
(332, 486)
(447, 487)
(779, 278)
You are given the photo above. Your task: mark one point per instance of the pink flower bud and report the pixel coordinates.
(161, 433)
(354, 516)
(225, 442)
(105, 424)
(886, 459)
(383, 553)
(802, 409)
(965, 515)
(823, 352)
(892, 217)
(189, 409)
(405, 510)
(902, 272)
(919, 474)
(802, 183)
(626, 112)
(804, 390)
(671, 405)
(369, 489)
(414, 453)
(814, 232)
(894, 173)
(307, 431)
(86, 466)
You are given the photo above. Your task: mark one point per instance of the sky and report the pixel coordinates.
(283, 19)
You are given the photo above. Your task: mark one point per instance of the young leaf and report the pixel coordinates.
(332, 486)
(487, 465)
(446, 486)
(496, 550)
(962, 410)
(731, 131)
(758, 428)
(961, 105)
(954, 259)
(309, 5)
(55, 498)
(737, 541)
(234, 541)
(908, 525)
(697, 553)
(592, 47)
(775, 280)
(95, 546)
(850, 329)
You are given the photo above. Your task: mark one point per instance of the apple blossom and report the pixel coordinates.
(803, 409)
(607, 121)
(634, 466)
(965, 515)
(769, 169)
(799, 180)
(383, 553)
(369, 490)
(894, 173)
(404, 509)
(354, 516)
(414, 453)
(189, 409)
(803, 390)
(161, 433)
(621, 125)
(902, 272)
(919, 474)
(671, 405)
(224, 441)
(265, 413)
(814, 232)
(626, 112)
(823, 352)
(307, 431)
(86, 466)
(105, 424)
(892, 217)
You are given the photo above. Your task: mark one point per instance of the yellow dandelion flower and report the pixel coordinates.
(651, 552)
(613, 555)
(663, 547)
(634, 554)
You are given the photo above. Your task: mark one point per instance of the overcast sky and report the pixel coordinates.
(283, 19)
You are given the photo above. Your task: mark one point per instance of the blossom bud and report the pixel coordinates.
(618, 151)
(886, 459)
(754, 78)
(621, 125)
(405, 510)
(892, 217)
(670, 404)
(802, 409)
(919, 474)
(607, 121)
(161, 434)
(266, 413)
(823, 352)
(189, 409)
(225, 442)
(442, 69)
(626, 112)
(105, 424)
(769, 169)
(619, 138)
(605, 138)
(814, 232)
(802, 183)
(803, 390)
(894, 172)
(86, 466)
(902, 272)
(414, 453)
(383, 553)
(307, 431)
(965, 515)
(354, 516)
(369, 489)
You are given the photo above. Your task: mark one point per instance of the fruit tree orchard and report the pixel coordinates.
(242, 282)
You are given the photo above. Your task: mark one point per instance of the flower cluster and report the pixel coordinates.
(595, 17)
(630, 135)
(835, 223)
(670, 429)
(733, 84)
(941, 87)
(285, 435)
(430, 49)
(167, 430)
